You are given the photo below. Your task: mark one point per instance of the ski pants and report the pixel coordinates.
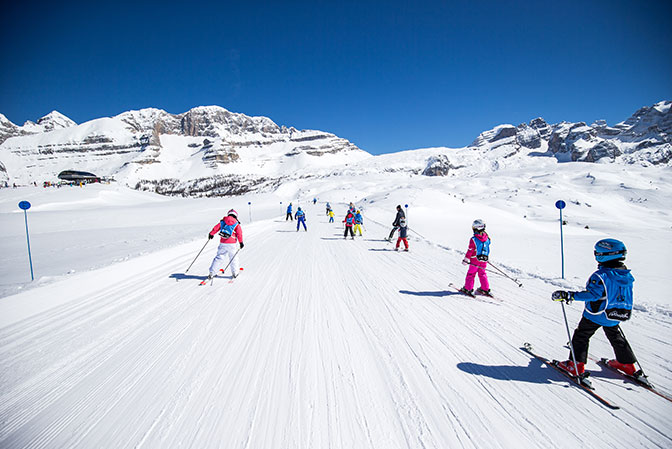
(226, 254)
(587, 328)
(358, 227)
(331, 219)
(394, 229)
(402, 239)
(477, 267)
(301, 221)
(348, 229)
(289, 216)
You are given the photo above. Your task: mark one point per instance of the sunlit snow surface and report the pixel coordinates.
(324, 342)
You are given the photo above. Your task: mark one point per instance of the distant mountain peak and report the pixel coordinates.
(55, 120)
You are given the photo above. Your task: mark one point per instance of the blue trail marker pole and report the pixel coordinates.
(25, 205)
(561, 205)
(406, 206)
(249, 204)
(281, 209)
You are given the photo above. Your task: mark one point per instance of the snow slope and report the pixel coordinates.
(322, 342)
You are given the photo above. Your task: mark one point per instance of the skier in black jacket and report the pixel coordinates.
(400, 215)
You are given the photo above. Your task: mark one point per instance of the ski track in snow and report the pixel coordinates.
(320, 343)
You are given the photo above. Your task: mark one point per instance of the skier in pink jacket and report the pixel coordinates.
(230, 233)
(477, 259)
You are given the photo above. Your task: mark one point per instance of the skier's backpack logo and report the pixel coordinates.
(226, 230)
(620, 308)
(402, 222)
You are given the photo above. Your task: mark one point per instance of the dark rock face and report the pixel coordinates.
(438, 165)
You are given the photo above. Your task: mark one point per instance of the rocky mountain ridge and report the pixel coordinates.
(209, 150)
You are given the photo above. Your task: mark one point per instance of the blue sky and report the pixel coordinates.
(388, 75)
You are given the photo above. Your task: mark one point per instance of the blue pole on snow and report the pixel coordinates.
(406, 206)
(249, 204)
(25, 205)
(561, 205)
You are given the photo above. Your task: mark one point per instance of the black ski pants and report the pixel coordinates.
(394, 229)
(587, 328)
(289, 216)
(349, 229)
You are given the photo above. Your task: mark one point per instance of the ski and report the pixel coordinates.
(480, 292)
(581, 382)
(459, 290)
(640, 379)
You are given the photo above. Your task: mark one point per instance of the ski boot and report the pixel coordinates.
(627, 368)
(568, 366)
(467, 292)
(487, 292)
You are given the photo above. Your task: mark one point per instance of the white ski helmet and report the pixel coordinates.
(232, 212)
(478, 225)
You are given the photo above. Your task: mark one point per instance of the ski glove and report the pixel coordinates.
(482, 258)
(210, 236)
(465, 261)
(241, 245)
(562, 295)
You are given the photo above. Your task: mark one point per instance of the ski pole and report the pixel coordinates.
(199, 253)
(631, 351)
(571, 345)
(505, 275)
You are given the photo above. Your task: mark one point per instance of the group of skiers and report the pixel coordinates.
(608, 295)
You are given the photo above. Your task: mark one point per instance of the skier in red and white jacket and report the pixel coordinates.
(231, 236)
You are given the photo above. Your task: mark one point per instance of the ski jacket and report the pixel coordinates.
(403, 232)
(331, 213)
(400, 214)
(300, 215)
(479, 245)
(608, 296)
(359, 219)
(349, 220)
(289, 209)
(236, 236)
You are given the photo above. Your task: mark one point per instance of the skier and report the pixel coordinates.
(328, 208)
(349, 223)
(314, 201)
(359, 221)
(300, 219)
(403, 231)
(477, 259)
(231, 233)
(289, 213)
(395, 224)
(331, 216)
(608, 297)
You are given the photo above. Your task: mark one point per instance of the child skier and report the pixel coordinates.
(608, 297)
(289, 213)
(403, 230)
(331, 216)
(300, 219)
(359, 221)
(231, 233)
(395, 224)
(349, 223)
(477, 259)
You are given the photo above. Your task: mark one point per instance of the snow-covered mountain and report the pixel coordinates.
(205, 150)
(211, 151)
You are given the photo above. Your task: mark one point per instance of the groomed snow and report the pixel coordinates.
(325, 342)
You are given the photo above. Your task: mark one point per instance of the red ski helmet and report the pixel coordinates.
(232, 212)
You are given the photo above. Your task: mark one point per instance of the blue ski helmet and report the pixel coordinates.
(609, 249)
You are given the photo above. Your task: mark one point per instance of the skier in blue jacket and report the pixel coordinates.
(608, 297)
(300, 219)
(289, 215)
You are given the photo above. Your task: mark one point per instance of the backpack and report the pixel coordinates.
(402, 222)
(619, 296)
(225, 231)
